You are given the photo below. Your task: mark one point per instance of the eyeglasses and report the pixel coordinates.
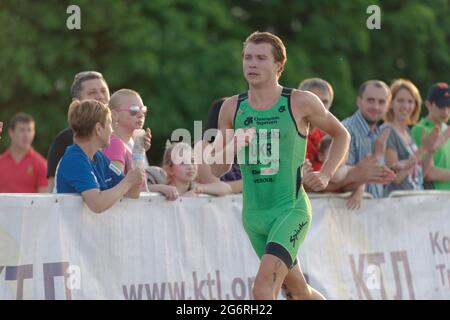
(134, 109)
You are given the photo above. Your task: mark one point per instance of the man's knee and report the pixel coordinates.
(296, 292)
(301, 294)
(262, 289)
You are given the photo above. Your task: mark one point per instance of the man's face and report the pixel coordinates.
(22, 135)
(373, 104)
(258, 64)
(436, 114)
(324, 96)
(96, 89)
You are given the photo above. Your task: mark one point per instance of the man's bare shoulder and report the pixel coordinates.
(229, 105)
(228, 110)
(303, 98)
(303, 103)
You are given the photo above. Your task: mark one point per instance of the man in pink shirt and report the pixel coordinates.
(22, 170)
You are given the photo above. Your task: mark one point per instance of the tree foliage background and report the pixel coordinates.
(183, 54)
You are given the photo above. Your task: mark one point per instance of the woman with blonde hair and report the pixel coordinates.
(402, 154)
(128, 113)
(84, 169)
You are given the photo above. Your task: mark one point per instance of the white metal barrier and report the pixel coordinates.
(53, 247)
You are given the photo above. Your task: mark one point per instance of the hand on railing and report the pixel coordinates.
(354, 200)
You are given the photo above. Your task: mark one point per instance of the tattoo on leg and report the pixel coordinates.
(275, 269)
(287, 293)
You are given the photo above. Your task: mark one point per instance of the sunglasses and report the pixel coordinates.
(134, 110)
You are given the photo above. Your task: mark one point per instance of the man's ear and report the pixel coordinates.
(428, 104)
(358, 101)
(278, 67)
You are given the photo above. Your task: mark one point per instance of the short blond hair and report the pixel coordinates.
(396, 86)
(84, 115)
(116, 98)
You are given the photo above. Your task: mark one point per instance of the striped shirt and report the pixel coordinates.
(361, 145)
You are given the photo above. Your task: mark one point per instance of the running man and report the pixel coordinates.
(276, 209)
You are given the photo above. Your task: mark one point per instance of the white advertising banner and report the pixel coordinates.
(53, 247)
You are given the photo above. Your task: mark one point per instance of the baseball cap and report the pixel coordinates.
(439, 93)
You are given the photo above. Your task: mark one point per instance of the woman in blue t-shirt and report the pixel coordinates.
(85, 169)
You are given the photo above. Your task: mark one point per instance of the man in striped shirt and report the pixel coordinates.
(363, 126)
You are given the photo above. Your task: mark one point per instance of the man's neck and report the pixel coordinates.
(17, 152)
(372, 125)
(265, 96)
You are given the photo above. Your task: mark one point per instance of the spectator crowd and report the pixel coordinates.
(391, 148)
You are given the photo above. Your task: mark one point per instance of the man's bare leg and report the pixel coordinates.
(269, 278)
(296, 288)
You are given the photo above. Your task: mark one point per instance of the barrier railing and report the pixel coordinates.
(53, 247)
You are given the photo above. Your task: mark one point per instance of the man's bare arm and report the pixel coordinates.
(315, 113)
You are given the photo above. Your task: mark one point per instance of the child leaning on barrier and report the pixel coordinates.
(178, 176)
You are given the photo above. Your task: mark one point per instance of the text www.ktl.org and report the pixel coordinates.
(210, 288)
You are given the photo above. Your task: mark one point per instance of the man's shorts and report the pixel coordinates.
(279, 234)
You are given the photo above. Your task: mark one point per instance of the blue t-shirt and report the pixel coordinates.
(76, 173)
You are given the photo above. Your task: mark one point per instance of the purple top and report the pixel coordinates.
(232, 175)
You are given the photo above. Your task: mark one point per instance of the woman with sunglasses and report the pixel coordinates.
(128, 114)
(84, 169)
